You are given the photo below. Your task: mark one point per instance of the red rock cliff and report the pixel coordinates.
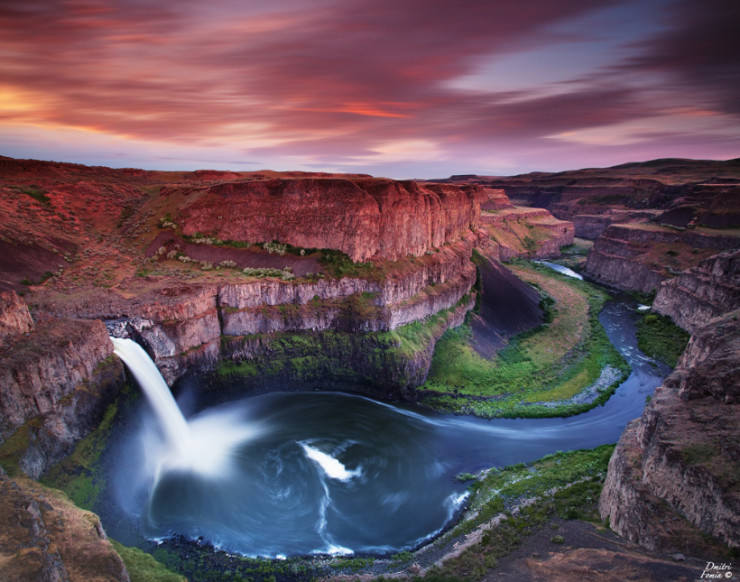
(363, 217)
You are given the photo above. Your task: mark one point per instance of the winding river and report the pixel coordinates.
(324, 472)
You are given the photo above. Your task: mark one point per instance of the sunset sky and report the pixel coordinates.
(399, 88)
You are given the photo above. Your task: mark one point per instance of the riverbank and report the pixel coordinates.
(565, 366)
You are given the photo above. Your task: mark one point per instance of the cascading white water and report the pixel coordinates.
(156, 390)
(203, 444)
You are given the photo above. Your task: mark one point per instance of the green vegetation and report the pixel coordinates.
(550, 364)
(142, 567)
(46, 276)
(499, 489)
(326, 356)
(352, 564)
(340, 265)
(465, 477)
(660, 338)
(564, 485)
(15, 445)
(261, 272)
(38, 194)
(202, 564)
(77, 474)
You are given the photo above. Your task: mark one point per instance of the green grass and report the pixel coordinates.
(660, 338)
(499, 488)
(77, 474)
(371, 358)
(549, 364)
(142, 567)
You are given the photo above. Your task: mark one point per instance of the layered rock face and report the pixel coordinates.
(46, 538)
(363, 217)
(675, 468)
(183, 326)
(524, 232)
(701, 293)
(57, 380)
(120, 247)
(637, 257)
(679, 192)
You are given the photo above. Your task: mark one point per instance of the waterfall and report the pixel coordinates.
(171, 420)
(204, 444)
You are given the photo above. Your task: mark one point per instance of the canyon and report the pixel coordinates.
(348, 281)
(312, 273)
(649, 221)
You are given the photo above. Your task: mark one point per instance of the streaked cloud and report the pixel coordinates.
(397, 87)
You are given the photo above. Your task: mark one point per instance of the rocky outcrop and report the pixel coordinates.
(592, 224)
(524, 232)
(702, 292)
(638, 257)
(674, 469)
(14, 316)
(363, 217)
(42, 368)
(57, 381)
(46, 538)
(673, 191)
(182, 326)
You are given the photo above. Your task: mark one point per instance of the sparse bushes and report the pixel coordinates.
(167, 222)
(275, 247)
(38, 194)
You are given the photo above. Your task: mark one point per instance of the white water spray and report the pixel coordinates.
(156, 390)
(202, 445)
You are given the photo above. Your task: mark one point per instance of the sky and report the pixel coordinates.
(397, 88)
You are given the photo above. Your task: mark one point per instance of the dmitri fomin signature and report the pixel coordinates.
(713, 571)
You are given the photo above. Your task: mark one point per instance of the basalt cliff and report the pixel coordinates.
(673, 477)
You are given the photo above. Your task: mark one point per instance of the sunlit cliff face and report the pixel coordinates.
(390, 88)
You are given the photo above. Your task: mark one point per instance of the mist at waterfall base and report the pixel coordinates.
(295, 473)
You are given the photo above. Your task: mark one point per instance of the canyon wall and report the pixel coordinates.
(366, 218)
(673, 475)
(524, 232)
(638, 257)
(57, 378)
(701, 293)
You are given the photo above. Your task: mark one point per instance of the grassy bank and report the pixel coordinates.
(660, 338)
(540, 371)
